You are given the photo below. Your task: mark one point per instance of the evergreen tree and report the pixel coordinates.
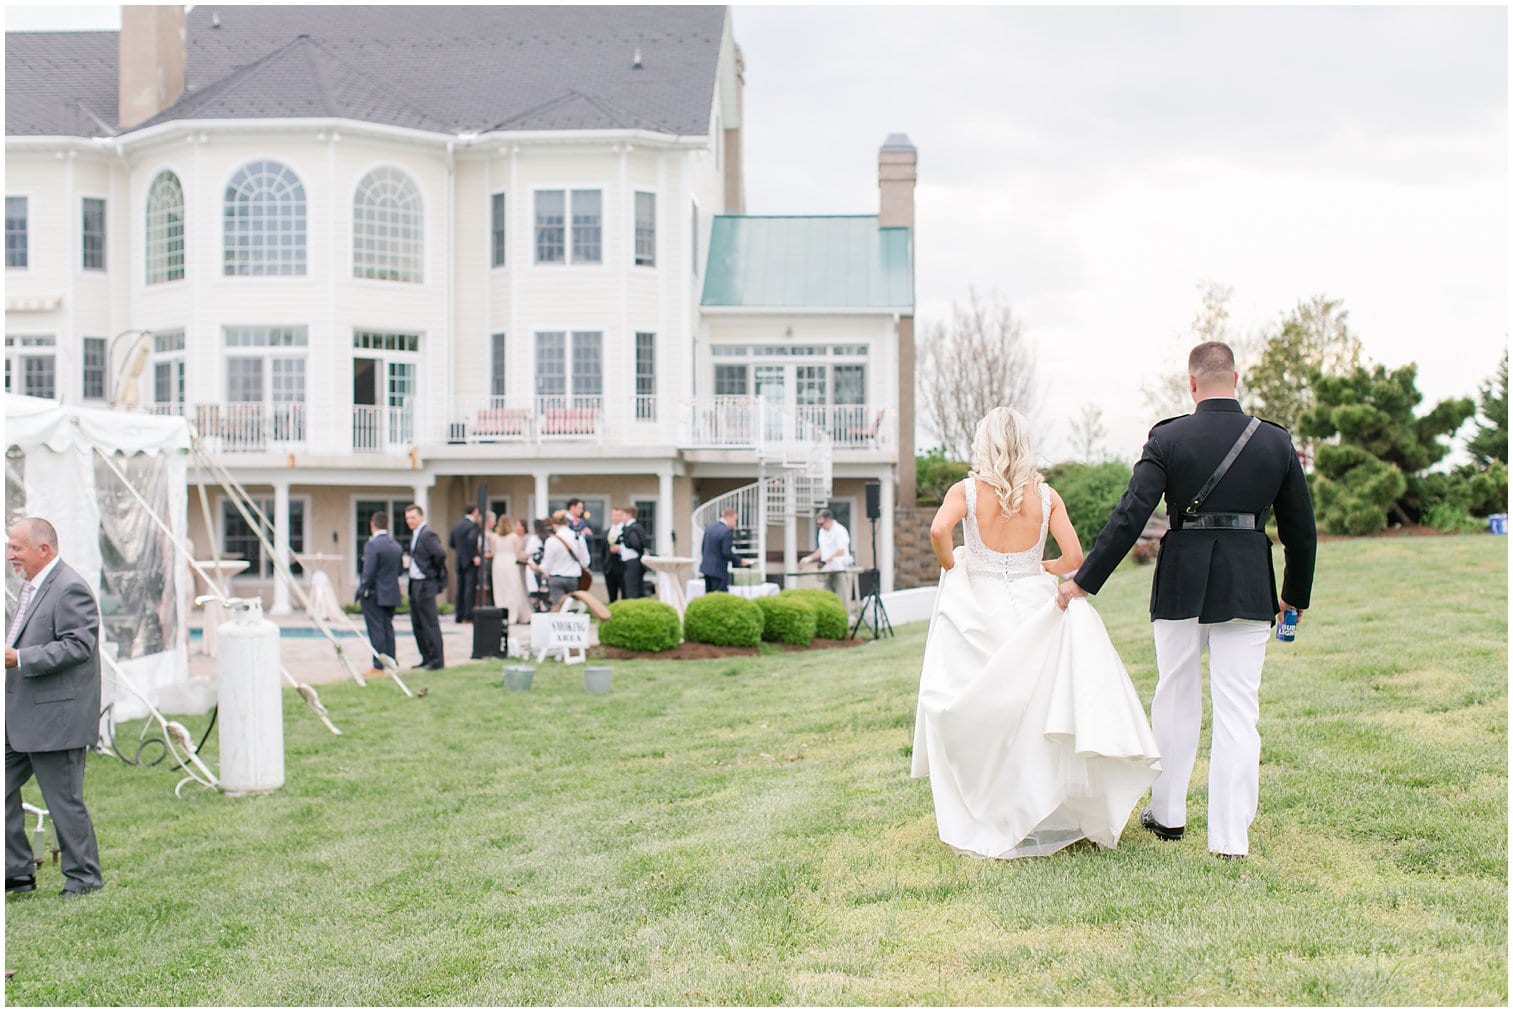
(1490, 441)
(1375, 443)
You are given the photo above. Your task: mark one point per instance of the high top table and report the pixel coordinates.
(215, 613)
(673, 571)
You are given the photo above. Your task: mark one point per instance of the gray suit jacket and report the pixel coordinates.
(52, 696)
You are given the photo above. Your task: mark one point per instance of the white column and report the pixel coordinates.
(665, 526)
(281, 547)
(543, 497)
(419, 500)
(884, 560)
(790, 527)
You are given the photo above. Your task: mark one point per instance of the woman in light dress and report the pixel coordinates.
(1028, 727)
(508, 538)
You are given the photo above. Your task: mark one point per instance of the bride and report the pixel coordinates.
(1028, 727)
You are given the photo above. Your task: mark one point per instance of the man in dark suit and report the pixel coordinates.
(719, 552)
(52, 707)
(632, 548)
(1214, 587)
(465, 542)
(614, 565)
(378, 593)
(428, 578)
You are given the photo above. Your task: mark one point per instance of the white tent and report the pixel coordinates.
(54, 469)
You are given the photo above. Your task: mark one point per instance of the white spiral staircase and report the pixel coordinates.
(793, 457)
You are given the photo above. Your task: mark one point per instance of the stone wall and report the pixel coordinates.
(915, 563)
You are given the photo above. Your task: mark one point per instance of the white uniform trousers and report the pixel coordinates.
(1236, 651)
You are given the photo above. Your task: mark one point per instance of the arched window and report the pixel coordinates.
(165, 229)
(386, 227)
(265, 221)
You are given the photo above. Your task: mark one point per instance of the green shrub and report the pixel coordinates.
(1090, 492)
(934, 475)
(830, 621)
(1353, 490)
(723, 620)
(641, 624)
(787, 620)
(1451, 518)
(1478, 491)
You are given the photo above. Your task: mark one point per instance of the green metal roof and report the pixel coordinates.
(830, 262)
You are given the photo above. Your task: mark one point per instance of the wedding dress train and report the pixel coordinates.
(1028, 727)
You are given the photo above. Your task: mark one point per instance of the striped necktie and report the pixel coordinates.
(26, 599)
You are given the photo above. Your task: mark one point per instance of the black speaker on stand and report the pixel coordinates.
(871, 580)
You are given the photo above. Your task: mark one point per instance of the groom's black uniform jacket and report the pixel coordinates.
(1214, 575)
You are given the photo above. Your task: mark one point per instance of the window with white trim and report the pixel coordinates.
(646, 376)
(240, 541)
(646, 229)
(31, 362)
(168, 369)
(264, 215)
(15, 232)
(93, 233)
(266, 366)
(165, 229)
(554, 210)
(584, 349)
(93, 379)
(497, 387)
(496, 230)
(387, 227)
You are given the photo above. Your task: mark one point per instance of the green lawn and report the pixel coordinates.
(745, 832)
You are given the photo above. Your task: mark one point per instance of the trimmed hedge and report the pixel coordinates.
(830, 621)
(641, 624)
(723, 620)
(787, 620)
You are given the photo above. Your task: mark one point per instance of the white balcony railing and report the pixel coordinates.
(782, 434)
(251, 427)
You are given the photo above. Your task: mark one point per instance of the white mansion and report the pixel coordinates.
(379, 255)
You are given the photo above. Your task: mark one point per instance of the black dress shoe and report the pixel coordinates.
(1162, 832)
(69, 894)
(435, 667)
(20, 884)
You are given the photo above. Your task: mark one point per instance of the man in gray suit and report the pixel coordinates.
(52, 707)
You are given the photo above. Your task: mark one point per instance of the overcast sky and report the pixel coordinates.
(1094, 164)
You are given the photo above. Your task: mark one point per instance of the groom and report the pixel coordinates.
(1214, 587)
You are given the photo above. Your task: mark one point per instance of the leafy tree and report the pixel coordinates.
(1314, 339)
(1166, 393)
(1490, 441)
(971, 366)
(1376, 442)
(1088, 434)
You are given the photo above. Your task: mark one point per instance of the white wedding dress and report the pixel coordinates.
(1028, 727)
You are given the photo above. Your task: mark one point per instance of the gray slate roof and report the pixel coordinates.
(445, 69)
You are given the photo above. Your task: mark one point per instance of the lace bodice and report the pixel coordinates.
(1011, 565)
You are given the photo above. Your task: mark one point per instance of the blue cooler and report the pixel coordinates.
(1497, 523)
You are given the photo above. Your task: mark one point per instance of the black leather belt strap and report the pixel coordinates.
(1220, 472)
(1219, 521)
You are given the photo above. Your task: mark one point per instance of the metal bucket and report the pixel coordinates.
(517, 678)
(597, 679)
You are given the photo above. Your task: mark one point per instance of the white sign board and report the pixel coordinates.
(563, 634)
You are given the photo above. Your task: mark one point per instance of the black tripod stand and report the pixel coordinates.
(872, 597)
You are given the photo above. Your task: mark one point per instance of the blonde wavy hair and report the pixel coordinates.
(1003, 457)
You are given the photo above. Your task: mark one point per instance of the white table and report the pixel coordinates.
(673, 571)
(215, 614)
(749, 590)
(323, 600)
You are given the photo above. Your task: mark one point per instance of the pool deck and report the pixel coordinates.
(313, 660)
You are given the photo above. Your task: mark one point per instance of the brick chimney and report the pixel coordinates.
(152, 57)
(897, 162)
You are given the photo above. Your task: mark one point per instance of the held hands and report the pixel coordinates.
(1283, 606)
(1066, 592)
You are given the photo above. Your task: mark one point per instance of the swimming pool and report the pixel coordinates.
(294, 632)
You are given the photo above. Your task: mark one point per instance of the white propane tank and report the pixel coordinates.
(251, 702)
